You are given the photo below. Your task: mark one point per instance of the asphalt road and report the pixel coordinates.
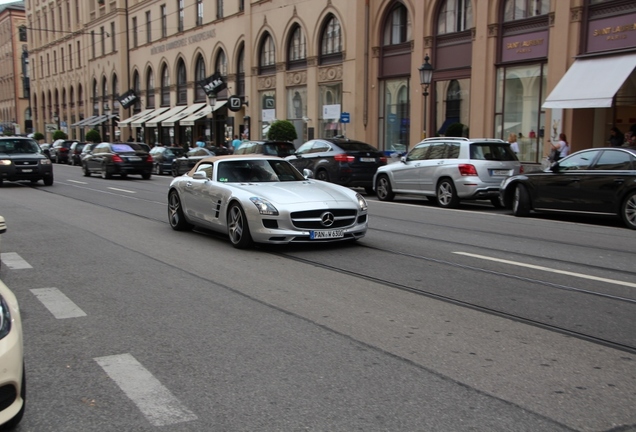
(437, 320)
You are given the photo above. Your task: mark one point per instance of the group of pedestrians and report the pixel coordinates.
(619, 139)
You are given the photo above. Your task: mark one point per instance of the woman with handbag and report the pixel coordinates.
(559, 149)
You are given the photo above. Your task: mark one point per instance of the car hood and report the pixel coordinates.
(298, 191)
(21, 156)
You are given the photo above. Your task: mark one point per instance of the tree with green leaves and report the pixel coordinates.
(93, 136)
(58, 134)
(282, 130)
(38, 136)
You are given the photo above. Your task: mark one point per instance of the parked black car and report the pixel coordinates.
(340, 160)
(272, 148)
(163, 158)
(183, 164)
(22, 159)
(59, 151)
(118, 158)
(75, 152)
(599, 181)
(86, 150)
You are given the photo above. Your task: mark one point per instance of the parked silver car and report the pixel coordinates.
(449, 169)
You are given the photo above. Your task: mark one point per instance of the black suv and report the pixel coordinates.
(60, 150)
(22, 159)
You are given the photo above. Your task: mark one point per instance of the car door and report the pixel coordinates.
(196, 200)
(601, 187)
(560, 189)
(406, 174)
(432, 167)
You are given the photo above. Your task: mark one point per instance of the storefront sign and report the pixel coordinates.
(612, 33)
(525, 47)
(183, 42)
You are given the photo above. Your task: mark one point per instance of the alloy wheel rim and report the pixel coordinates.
(444, 193)
(630, 210)
(236, 225)
(174, 209)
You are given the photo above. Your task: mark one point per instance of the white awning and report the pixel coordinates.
(591, 82)
(170, 122)
(152, 114)
(96, 120)
(154, 122)
(83, 121)
(126, 123)
(189, 121)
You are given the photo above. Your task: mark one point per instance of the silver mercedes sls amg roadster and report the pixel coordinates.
(264, 199)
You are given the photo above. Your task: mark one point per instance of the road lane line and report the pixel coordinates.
(121, 190)
(75, 181)
(155, 401)
(57, 303)
(548, 269)
(14, 261)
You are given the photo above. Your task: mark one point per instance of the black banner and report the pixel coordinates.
(127, 99)
(212, 85)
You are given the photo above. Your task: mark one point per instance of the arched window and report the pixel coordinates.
(520, 9)
(199, 75)
(297, 49)
(95, 98)
(397, 28)
(137, 90)
(220, 65)
(165, 86)
(267, 56)
(150, 89)
(455, 16)
(182, 92)
(115, 95)
(331, 41)
(72, 97)
(240, 72)
(104, 90)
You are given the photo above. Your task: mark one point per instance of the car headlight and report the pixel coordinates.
(264, 207)
(5, 162)
(45, 161)
(361, 202)
(5, 318)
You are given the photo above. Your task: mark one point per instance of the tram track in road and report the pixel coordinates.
(473, 305)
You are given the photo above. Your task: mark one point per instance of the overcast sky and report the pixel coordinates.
(6, 1)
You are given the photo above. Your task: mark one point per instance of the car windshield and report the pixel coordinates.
(19, 146)
(279, 149)
(356, 146)
(492, 151)
(264, 170)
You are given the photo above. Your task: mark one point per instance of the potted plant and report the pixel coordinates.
(93, 136)
(282, 130)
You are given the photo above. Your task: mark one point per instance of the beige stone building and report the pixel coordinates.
(536, 68)
(15, 114)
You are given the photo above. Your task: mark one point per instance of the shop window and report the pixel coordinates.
(329, 109)
(395, 121)
(455, 16)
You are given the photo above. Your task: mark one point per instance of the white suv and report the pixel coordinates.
(448, 169)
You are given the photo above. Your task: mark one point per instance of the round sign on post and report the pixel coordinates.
(235, 103)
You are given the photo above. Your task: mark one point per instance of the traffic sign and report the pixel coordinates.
(345, 117)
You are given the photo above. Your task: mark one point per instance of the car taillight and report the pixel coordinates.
(521, 169)
(117, 159)
(344, 158)
(149, 158)
(383, 160)
(62, 150)
(467, 170)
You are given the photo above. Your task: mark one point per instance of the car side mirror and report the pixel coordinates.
(403, 159)
(200, 175)
(308, 174)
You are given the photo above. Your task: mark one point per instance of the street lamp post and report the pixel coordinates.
(105, 125)
(56, 120)
(212, 98)
(426, 76)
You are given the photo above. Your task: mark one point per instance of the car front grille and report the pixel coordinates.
(25, 162)
(324, 219)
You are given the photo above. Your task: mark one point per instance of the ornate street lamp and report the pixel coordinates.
(426, 76)
(56, 120)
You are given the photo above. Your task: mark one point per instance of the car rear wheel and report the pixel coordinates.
(383, 189)
(105, 173)
(87, 173)
(158, 170)
(322, 175)
(628, 210)
(521, 201)
(175, 172)
(146, 176)
(237, 227)
(446, 194)
(175, 213)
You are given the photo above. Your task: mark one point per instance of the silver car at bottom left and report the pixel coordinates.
(12, 375)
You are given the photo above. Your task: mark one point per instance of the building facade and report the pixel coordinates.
(500, 67)
(15, 112)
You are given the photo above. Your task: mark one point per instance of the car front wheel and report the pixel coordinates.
(628, 210)
(521, 201)
(87, 173)
(175, 213)
(446, 194)
(238, 228)
(383, 189)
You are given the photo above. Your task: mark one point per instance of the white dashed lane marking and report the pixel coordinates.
(155, 401)
(57, 303)
(14, 261)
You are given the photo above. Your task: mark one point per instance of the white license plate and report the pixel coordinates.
(27, 170)
(367, 159)
(315, 235)
(500, 172)
(134, 159)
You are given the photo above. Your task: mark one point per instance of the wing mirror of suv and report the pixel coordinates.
(403, 159)
(308, 174)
